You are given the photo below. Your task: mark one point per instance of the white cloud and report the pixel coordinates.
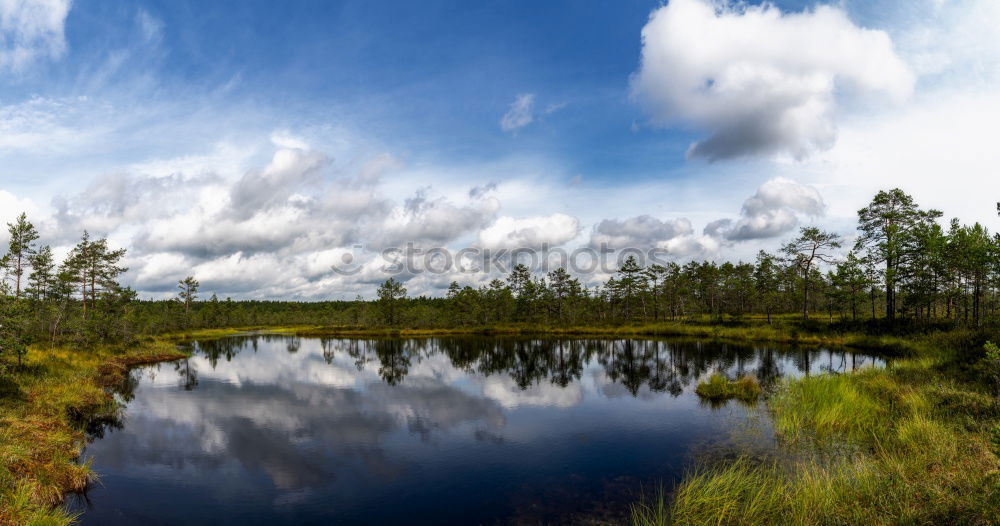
(12, 206)
(373, 170)
(519, 114)
(529, 232)
(30, 30)
(259, 190)
(432, 222)
(772, 211)
(759, 81)
(638, 232)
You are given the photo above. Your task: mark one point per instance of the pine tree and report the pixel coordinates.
(21, 248)
(390, 296)
(41, 281)
(188, 292)
(811, 247)
(885, 224)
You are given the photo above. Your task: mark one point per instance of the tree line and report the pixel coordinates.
(81, 300)
(904, 265)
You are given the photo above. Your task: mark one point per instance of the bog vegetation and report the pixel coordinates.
(923, 431)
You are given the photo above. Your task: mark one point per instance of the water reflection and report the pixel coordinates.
(635, 364)
(273, 429)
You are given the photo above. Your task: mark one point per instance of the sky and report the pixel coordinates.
(266, 147)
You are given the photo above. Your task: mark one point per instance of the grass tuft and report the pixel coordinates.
(718, 388)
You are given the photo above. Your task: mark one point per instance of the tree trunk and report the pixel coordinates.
(805, 294)
(17, 292)
(872, 295)
(890, 292)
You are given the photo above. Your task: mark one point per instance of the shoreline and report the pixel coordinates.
(750, 333)
(64, 382)
(42, 438)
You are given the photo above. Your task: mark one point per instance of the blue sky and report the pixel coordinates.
(414, 75)
(243, 139)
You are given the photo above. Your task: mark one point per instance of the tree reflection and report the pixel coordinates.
(638, 365)
(655, 366)
(213, 350)
(187, 374)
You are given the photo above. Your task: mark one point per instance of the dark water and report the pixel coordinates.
(285, 430)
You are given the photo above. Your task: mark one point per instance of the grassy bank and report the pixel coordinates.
(787, 331)
(915, 443)
(43, 406)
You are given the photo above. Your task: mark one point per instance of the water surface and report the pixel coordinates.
(268, 429)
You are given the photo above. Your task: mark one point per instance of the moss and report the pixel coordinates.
(43, 411)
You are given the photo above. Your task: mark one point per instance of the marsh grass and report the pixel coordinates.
(746, 331)
(901, 445)
(718, 388)
(44, 408)
(650, 511)
(784, 330)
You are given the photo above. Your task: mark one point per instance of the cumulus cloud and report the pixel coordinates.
(776, 208)
(772, 211)
(433, 222)
(30, 30)
(481, 191)
(372, 171)
(673, 237)
(258, 191)
(530, 232)
(273, 231)
(757, 80)
(10, 207)
(519, 114)
(638, 232)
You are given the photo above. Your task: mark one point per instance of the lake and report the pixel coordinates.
(275, 429)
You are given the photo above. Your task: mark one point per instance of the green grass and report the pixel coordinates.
(651, 512)
(40, 436)
(748, 330)
(783, 329)
(212, 334)
(718, 388)
(908, 444)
